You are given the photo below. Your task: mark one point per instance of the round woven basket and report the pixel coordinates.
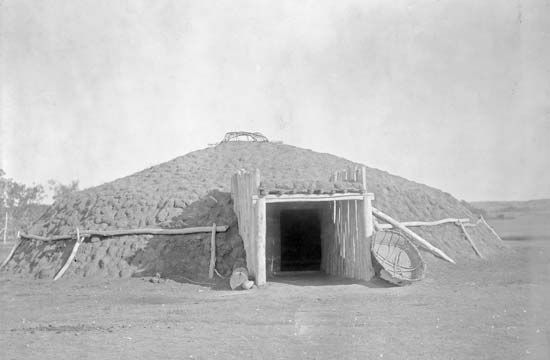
(400, 260)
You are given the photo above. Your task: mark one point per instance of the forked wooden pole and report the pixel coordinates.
(469, 239)
(212, 252)
(379, 214)
(71, 256)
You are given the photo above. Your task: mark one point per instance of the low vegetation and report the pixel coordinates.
(22, 205)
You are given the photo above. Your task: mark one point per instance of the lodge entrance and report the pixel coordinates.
(311, 226)
(300, 240)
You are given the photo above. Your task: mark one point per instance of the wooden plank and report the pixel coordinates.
(351, 174)
(368, 230)
(470, 240)
(351, 231)
(366, 219)
(359, 271)
(242, 205)
(349, 246)
(367, 213)
(355, 245)
(337, 249)
(260, 241)
(364, 178)
(413, 235)
(331, 243)
(345, 237)
(212, 252)
(355, 242)
(365, 269)
(340, 247)
(252, 226)
(342, 240)
(425, 223)
(77, 243)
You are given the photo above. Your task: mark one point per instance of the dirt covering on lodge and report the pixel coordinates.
(194, 190)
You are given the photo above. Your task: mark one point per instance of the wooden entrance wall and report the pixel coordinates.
(251, 218)
(346, 254)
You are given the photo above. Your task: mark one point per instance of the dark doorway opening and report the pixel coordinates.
(300, 240)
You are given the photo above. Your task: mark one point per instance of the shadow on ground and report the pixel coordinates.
(322, 279)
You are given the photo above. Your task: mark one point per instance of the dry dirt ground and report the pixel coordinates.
(494, 309)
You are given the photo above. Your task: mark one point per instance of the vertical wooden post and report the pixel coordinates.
(364, 178)
(368, 227)
(260, 232)
(260, 241)
(367, 208)
(212, 252)
(367, 205)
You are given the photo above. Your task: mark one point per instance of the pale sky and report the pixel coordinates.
(453, 94)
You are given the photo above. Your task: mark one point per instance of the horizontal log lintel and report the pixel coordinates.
(313, 197)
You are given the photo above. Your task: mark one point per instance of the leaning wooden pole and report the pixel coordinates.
(470, 239)
(379, 214)
(12, 251)
(490, 227)
(77, 243)
(426, 223)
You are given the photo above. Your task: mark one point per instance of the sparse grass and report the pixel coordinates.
(493, 309)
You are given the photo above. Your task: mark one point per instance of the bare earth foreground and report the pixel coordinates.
(494, 309)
